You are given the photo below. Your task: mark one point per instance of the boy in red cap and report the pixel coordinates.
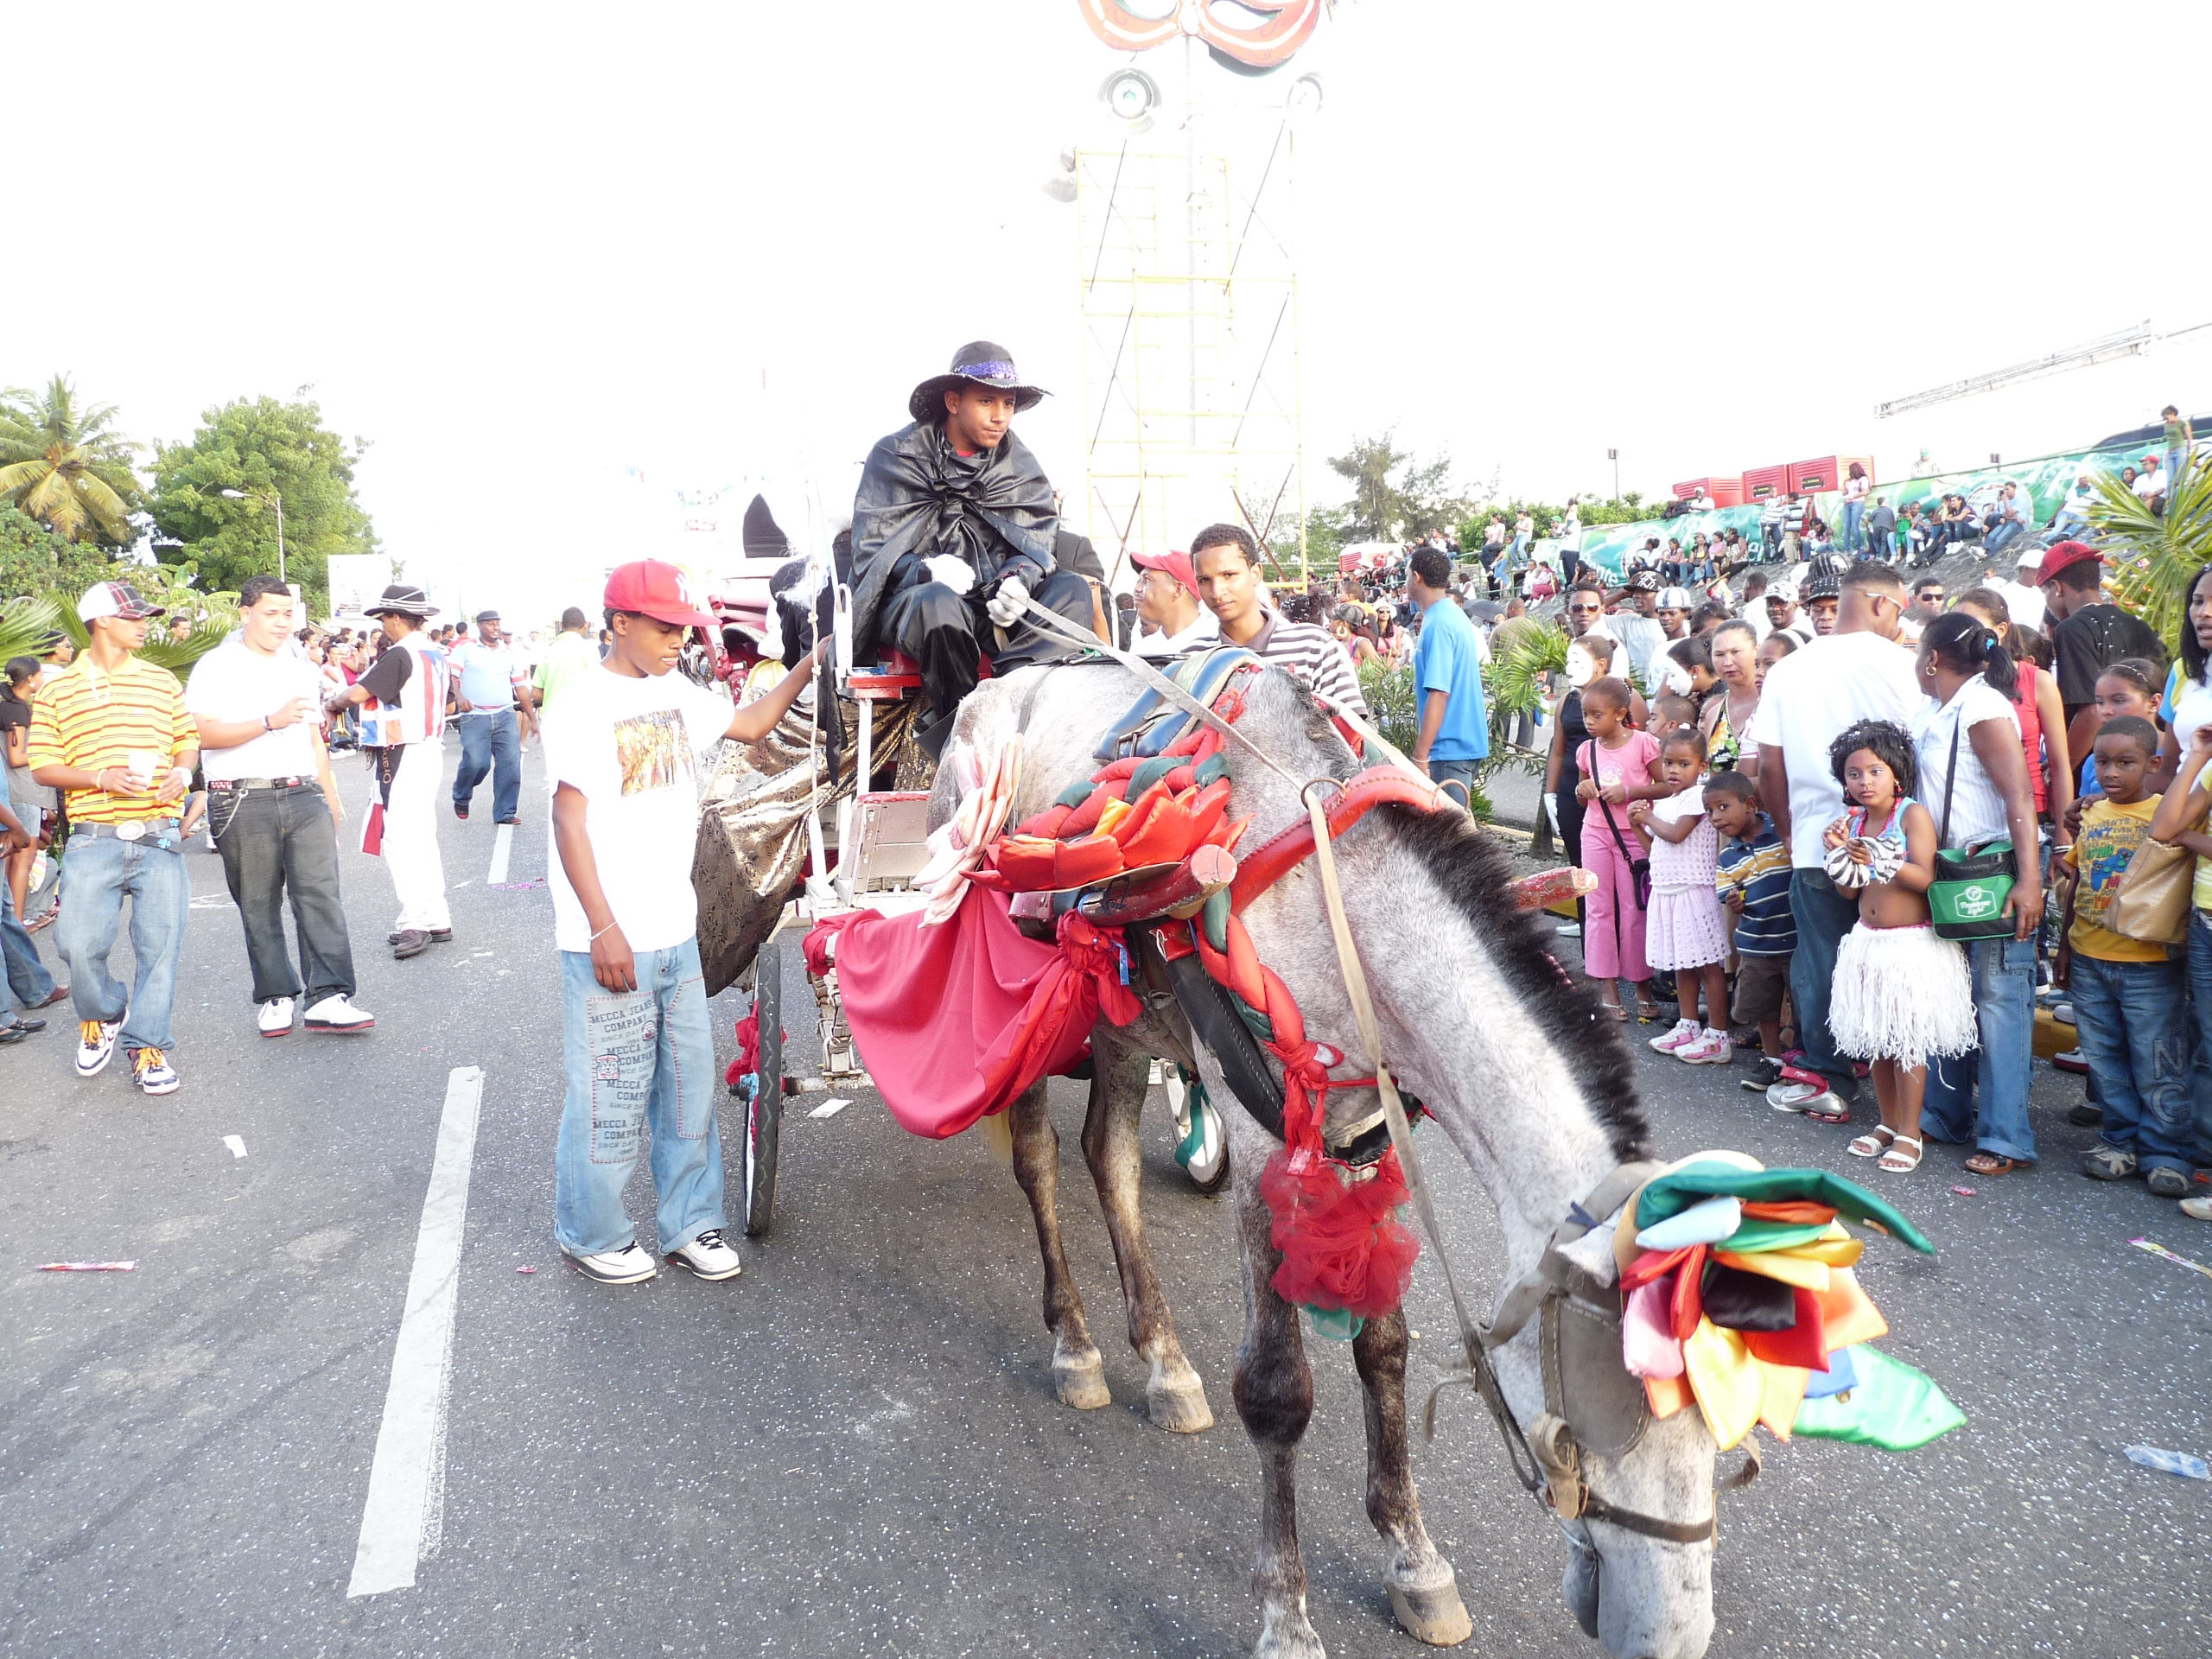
(620, 753)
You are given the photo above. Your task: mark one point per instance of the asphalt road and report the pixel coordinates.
(854, 1448)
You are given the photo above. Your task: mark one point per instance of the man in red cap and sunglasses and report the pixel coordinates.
(621, 749)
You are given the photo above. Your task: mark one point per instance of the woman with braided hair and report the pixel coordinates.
(1975, 780)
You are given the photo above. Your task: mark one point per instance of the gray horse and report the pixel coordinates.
(1467, 999)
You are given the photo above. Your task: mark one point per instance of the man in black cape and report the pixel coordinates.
(952, 530)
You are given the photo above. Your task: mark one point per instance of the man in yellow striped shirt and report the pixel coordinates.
(113, 732)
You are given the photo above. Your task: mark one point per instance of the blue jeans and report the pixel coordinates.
(1823, 917)
(28, 981)
(2177, 470)
(2129, 1016)
(1852, 512)
(1461, 772)
(490, 739)
(642, 1059)
(98, 873)
(2003, 536)
(2200, 997)
(2004, 1011)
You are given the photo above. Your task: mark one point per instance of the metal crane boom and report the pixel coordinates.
(2127, 342)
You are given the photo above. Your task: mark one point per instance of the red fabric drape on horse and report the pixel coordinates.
(955, 1020)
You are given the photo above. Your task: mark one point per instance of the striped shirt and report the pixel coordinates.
(1315, 658)
(1756, 869)
(96, 720)
(1978, 811)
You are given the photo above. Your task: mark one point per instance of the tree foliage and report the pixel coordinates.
(1396, 496)
(1628, 509)
(266, 449)
(2151, 556)
(62, 463)
(35, 562)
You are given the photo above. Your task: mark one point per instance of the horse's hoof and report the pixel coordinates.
(1081, 1383)
(1289, 1639)
(1435, 1614)
(1180, 1410)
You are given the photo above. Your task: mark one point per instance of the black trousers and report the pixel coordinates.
(280, 841)
(950, 633)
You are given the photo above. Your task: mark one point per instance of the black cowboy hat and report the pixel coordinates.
(403, 599)
(981, 363)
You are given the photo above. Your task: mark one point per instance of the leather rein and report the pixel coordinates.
(1549, 1465)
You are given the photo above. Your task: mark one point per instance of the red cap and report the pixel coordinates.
(2061, 556)
(655, 588)
(1177, 565)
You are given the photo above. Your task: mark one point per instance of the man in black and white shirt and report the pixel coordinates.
(1227, 564)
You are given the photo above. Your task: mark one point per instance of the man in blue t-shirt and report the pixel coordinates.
(1454, 736)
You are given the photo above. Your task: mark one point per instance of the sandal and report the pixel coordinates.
(1648, 1012)
(1872, 1144)
(1896, 1159)
(1615, 1010)
(1993, 1163)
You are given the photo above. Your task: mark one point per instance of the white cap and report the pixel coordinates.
(1787, 590)
(2030, 555)
(1673, 599)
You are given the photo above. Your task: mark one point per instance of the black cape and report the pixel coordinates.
(919, 498)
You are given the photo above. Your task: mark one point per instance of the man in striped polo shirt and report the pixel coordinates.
(1228, 563)
(112, 733)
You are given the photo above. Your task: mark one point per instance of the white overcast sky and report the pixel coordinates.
(524, 248)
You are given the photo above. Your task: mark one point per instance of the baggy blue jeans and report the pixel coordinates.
(1853, 511)
(1823, 916)
(490, 742)
(636, 1061)
(2004, 1012)
(2200, 997)
(28, 981)
(98, 873)
(2129, 1016)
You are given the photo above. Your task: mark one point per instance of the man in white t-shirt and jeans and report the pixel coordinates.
(1857, 672)
(273, 811)
(621, 750)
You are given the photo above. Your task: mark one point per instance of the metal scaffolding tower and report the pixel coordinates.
(1189, 301)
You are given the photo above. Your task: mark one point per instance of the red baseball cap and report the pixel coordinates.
(2063, 555)
(1177, 565)
(655, 588)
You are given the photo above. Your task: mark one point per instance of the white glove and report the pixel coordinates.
(952, 570)
(1006, 606)
(1551, 812)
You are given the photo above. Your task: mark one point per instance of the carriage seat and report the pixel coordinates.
(897, 677)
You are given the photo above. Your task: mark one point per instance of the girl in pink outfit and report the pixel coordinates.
(1617, 765)
(1686, 931)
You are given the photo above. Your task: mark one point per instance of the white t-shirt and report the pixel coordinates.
(2024, 604)
(1808, 698)
(1978, 813)
(231, 683)
(1205, 631)
(630, 747)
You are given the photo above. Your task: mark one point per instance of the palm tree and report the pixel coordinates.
(2151, 558)
(64, 465)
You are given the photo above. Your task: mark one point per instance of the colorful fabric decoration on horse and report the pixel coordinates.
(1764, 1321)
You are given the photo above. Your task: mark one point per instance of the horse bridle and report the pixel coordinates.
(1566, 1299)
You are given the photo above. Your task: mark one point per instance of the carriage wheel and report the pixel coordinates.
(764, 1112)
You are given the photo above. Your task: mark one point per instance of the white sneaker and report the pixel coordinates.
(1569, 930)
(709, 1256)
(335, 1012)
(95, 1044)
(276, 1017)
(1684, 1034)
(627, 1266)
(1710, 1048)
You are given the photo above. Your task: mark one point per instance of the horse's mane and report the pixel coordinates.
(1472, 869)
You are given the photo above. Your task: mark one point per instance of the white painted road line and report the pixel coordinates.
(502, 844)
(404, 1513)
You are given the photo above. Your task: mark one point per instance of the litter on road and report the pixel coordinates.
(237, 1145)
(525, 1269)
(2173, 1463)
(1963, 1191)
(2157, 1249)
(831, 1107)
(86, 1266)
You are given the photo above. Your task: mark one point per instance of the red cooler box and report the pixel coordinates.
(1724, 492)
(1827, 473)
(1760, 482)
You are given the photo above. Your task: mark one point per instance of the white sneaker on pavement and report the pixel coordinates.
(1569, 930)
(95, 1044)
(1710, 1048)
(276, 1017)
(709, 1256)
(336, 1012)
(1684, 1034)
(627, 1266)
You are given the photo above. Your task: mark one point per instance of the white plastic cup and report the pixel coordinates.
(143, 764)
